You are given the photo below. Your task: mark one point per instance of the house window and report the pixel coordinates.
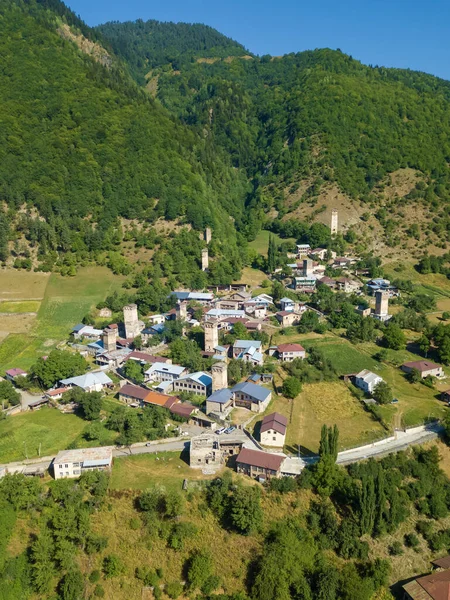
(76, 465)
(274, 438)
(67, 466)
(76, 471)
(60, 466)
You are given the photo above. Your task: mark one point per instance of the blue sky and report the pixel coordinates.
(394, 33)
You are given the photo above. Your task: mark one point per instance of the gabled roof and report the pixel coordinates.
(156, 398)
(88, 380)
(290, 348)
(421, 365)
(199, 377)
(274, 421)
(15, 372)
(133, 391)
(245, 344)
(367, 376)
(435, 586)
(166, 368)
(57, 391)
(257, 392)
(287, 300)
(78, 327)
(443, 563)
(255, 458)
(220, 396)
(147, 358)
(183, 409)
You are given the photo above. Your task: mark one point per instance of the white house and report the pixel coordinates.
(164, 372)
(289, 352)
(86, 331)
(273, 430)
(72, 463)
(90, 382)
(367, 381)
(287, 304)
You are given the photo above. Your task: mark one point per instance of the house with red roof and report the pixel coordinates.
(11, 374)
(289, 352)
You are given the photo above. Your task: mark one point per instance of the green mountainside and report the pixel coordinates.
(314, 119)
(82, 146)
(148, 44)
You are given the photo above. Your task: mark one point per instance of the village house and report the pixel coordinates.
(343, 262)
(220, 403)
(363, 311)
(195, 383)
(222, 313)
(435, 586)
(328, 281)
(81, 331)
(148, 332)
(306, 285)
(287, 318)
(289, 352)
(445, 396)
(56, 393)
(113, 359)
(262, 465)
(133, 395)
(95, 381)
(322, 253)
(12, 374)
(248, 351)
(287, 304)
(201, 297)
(303, 250)
(425, 368)
(260, 378)
(273, 430)
(156, 319)
(349, 286)
(72, 463)
(367, 381)
(158, 372)
(251, 396)
(147, 359)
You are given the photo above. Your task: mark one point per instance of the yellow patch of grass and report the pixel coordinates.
(22, 285)
(26, 306)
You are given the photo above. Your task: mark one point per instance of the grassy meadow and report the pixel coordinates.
(261, 241)
(58, 303)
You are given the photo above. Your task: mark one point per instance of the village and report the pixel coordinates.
(226, 423)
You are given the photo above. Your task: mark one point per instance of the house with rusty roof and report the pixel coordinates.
(425, 368)
(435, 586)
(256, 463)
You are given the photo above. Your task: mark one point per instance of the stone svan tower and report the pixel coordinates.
(208, 235)
(219, 373)
(334, 221)
(205, 259)
(131, 321)
(381, 304)
(211, 336)
(181, 309)
(109, 339)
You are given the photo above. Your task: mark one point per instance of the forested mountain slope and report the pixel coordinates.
(82, 146)
(315, 119)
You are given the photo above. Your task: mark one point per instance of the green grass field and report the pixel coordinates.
(21, 434)
(64, 303)
(141, 471)
(261, 242)
(20, 307)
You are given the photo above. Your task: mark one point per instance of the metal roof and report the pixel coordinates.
(257, 392)
(220, 396)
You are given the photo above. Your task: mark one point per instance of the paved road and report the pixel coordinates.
(27, 398)
(400, 441)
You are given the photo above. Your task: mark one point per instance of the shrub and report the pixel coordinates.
(112, 566)
(94, 576)
(135, 524)
(174, 590)
(99, 592)
(411, 540)
(396, 549)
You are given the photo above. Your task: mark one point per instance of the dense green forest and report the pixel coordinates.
(318, 116)
(91, 158)
(82, 146)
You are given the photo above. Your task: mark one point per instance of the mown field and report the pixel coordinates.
(22, 435)
(261, 242)
(59, 303)
(333, 402)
